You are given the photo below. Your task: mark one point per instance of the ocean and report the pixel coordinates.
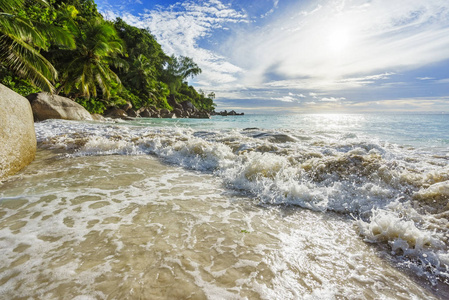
(307, 206)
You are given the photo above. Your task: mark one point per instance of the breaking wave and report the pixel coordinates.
(398, 196)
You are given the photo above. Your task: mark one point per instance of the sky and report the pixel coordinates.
(316, 56)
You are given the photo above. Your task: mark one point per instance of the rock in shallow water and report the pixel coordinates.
(17, 135)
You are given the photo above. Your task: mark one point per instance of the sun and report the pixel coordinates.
(339, 39)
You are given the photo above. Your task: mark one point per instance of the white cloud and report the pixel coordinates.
(307, 13)
(286, 99)
(354, 82)
(425, 78)
(417, 105)
(382, 76)
(329, 83)
(271, 11)
(109, 14)
(332, 99)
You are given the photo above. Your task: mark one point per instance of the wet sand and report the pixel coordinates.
(131, 227)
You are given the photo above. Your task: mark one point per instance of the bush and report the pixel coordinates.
(20, 86)
(94, 106)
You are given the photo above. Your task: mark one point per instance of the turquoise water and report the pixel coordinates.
(405, 129)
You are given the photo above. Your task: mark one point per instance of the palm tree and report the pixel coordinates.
(141, 73)
(178, 70)
(98, 47)
(21, 41)
(141, 76)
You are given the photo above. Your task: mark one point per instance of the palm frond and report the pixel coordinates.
(19, 28)
(10, 5)
(117, 62)
(57, 35)
(27, 62)
(89, 69)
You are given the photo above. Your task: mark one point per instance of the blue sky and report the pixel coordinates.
(306, 56)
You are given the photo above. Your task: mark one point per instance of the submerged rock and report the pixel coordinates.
(200, 115)
(18, 137)
(226, 113)
(46, 106)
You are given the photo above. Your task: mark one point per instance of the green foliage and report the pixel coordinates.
(145, 60)
(38, 11)
(87, 9)
(135, 100)
(141, 42)
(20, 44)
(89, 65)
(162, 103)
(19, 85)
(116, 91)
(161, 91)
(141, 74)
(94, 106)
(178, 70)
(189, 93)
(23, 33)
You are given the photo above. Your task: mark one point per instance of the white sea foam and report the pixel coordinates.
(116, 227)
(320, 171)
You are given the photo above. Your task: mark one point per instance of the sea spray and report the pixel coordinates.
(397, 194)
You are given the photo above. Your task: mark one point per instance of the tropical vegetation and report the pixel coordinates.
(66, 47)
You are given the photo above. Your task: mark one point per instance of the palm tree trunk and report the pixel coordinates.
(59, 89)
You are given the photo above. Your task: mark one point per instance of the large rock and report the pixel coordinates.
(17, 135)
(200, 115)
(46, 106)
(132, 113)
(165, 113)
(117, 113)
(179, 113)
(127, 106)
(188, 106)
(98, 117)
(144, 113)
